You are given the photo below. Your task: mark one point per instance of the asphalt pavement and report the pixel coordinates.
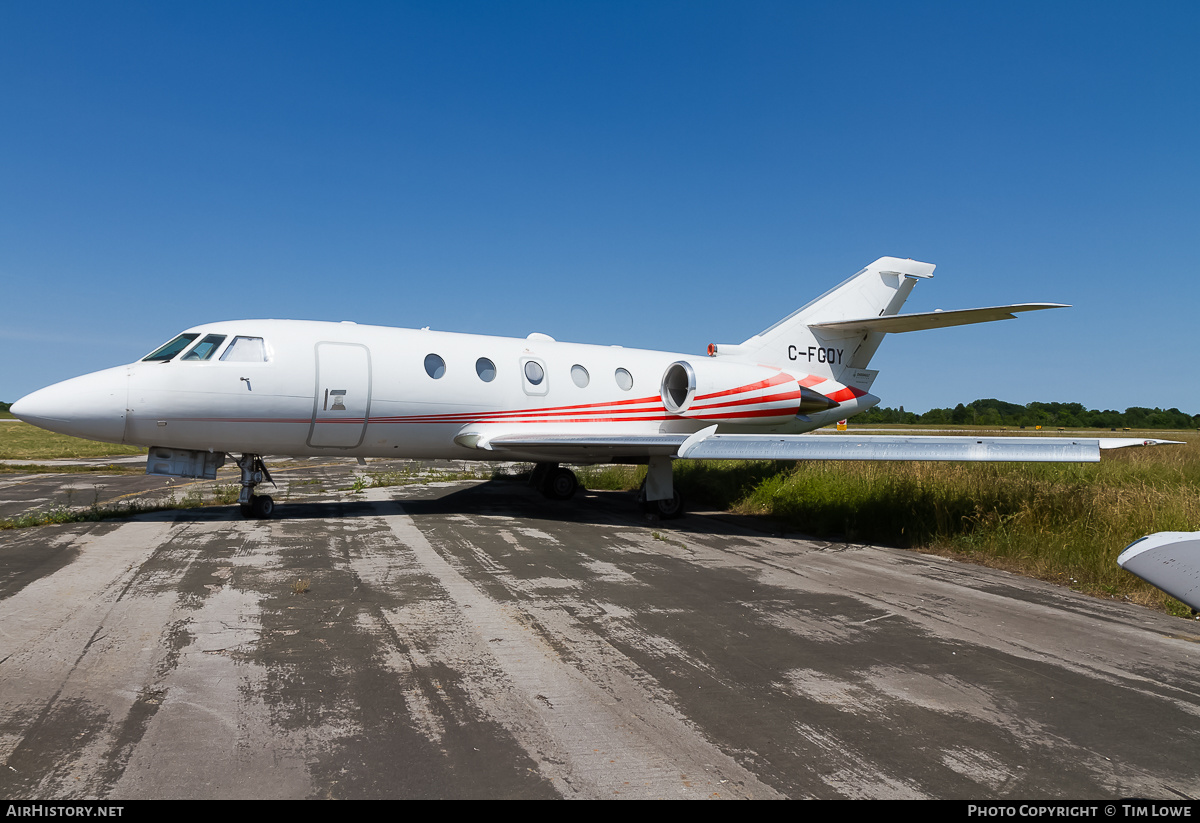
(457, 638)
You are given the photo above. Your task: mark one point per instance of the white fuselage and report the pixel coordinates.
(370, 391)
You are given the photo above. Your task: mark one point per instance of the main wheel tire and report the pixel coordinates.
(537, 477)
(262, 506)
(668, 509)
(560, 484)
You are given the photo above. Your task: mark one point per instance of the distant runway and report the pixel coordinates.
(474, 640)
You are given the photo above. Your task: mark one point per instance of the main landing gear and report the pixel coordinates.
(667, 509)
(257, 506)
(553, 481)
(657, 494)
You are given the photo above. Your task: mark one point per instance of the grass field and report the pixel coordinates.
(21, 441)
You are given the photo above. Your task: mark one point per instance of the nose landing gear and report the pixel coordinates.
(254, 471)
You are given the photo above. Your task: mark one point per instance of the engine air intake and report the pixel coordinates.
(678, 387)
(739, 392)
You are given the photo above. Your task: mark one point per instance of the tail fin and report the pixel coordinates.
(879, 290)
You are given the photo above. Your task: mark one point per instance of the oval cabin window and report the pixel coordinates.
(534, 373)
(486, 369)
(435, 366)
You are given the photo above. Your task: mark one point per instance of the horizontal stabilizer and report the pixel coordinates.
(933, 319)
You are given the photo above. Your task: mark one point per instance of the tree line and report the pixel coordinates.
(992, 412)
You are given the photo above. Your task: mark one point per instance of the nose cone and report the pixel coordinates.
(92, 406)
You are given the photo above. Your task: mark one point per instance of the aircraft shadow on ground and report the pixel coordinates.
(495, 498)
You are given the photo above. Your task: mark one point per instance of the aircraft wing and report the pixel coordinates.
(934, 319)
(708, 445)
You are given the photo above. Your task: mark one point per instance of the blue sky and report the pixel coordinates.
(655, 174)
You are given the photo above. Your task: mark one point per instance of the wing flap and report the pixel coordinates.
(666, 442)
(1123, 442)
(560, 446)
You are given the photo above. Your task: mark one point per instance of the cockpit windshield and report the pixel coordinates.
(246, 350)
(173, 348)
(206, 348)
(242, 349)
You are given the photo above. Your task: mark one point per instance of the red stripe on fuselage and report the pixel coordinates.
(847, 393)
(782, 377)
(748, 401)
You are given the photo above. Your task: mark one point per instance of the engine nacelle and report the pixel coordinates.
(741, 393)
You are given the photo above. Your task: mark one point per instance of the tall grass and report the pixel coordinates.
(611, 477)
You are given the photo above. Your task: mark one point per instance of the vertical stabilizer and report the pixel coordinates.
(878, 290)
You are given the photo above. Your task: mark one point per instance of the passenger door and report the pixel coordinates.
(343, 396)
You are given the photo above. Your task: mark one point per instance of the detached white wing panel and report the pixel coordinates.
(1168, 560)
(933, 319)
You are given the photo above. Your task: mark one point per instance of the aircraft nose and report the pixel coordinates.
(91, 406)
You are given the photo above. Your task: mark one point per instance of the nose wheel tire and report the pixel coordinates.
(260, 507)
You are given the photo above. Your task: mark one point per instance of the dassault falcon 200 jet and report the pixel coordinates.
(301, 388)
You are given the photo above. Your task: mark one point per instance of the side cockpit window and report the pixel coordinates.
(245, 350)
(206, 348)
(173, 348)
